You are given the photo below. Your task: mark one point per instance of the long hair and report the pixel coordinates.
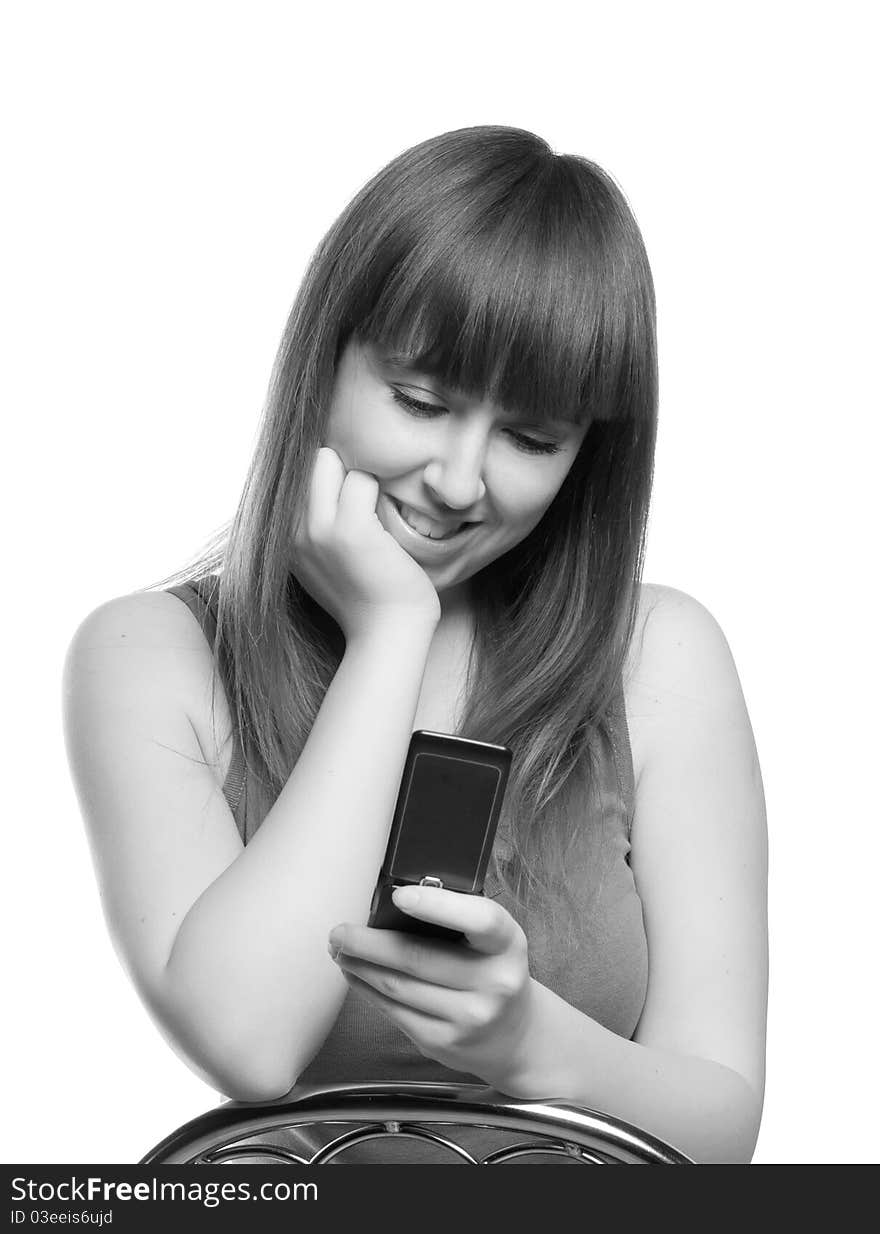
(516, 274)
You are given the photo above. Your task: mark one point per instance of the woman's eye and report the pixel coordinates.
(532, 446)
(414, 406)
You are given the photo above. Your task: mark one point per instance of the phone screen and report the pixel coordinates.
(449, 801)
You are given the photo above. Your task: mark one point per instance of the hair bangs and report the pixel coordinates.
(522, 310)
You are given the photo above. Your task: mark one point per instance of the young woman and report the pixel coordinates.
(443, 528)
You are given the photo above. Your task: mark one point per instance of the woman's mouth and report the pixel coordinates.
(424, 525)
(419, 532)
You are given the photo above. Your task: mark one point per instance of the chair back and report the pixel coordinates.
(320, 1126)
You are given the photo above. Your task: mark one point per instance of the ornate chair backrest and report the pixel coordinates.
(317, 1126)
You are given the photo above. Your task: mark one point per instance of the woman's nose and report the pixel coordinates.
(455, 476)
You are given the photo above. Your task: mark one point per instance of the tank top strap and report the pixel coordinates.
(200, 598)
(623, 758)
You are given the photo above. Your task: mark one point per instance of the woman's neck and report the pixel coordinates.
(456, 605)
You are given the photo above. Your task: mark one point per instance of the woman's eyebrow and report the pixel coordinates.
(406, 365)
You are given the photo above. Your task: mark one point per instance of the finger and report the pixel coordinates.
(433, 1000)
(327, 480)
(419, 1027)
(357, 498)
(442, 963)
(487, 926)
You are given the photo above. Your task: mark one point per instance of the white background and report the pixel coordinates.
(170, 167)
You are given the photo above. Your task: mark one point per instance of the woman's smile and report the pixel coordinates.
(424, 538)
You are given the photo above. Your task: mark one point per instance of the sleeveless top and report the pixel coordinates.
(601, 969)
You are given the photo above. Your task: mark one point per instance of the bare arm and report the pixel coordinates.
(252, 950)
(227, 945)
(702, 1107)
(694, 1071)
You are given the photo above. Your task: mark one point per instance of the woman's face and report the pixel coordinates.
(443, 459)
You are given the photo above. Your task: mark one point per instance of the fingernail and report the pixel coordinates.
(334, 950)
(406, 897)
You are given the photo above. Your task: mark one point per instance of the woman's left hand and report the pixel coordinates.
(468, 1004)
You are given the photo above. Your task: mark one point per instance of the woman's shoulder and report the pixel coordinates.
(663, 610)
(153, 625)
(146, 647)
(678, 660)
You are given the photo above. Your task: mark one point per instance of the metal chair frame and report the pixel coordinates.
(387, 1111)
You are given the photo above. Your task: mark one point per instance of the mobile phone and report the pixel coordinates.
(444, 824)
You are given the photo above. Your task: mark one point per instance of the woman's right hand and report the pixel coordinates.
(346, 559)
